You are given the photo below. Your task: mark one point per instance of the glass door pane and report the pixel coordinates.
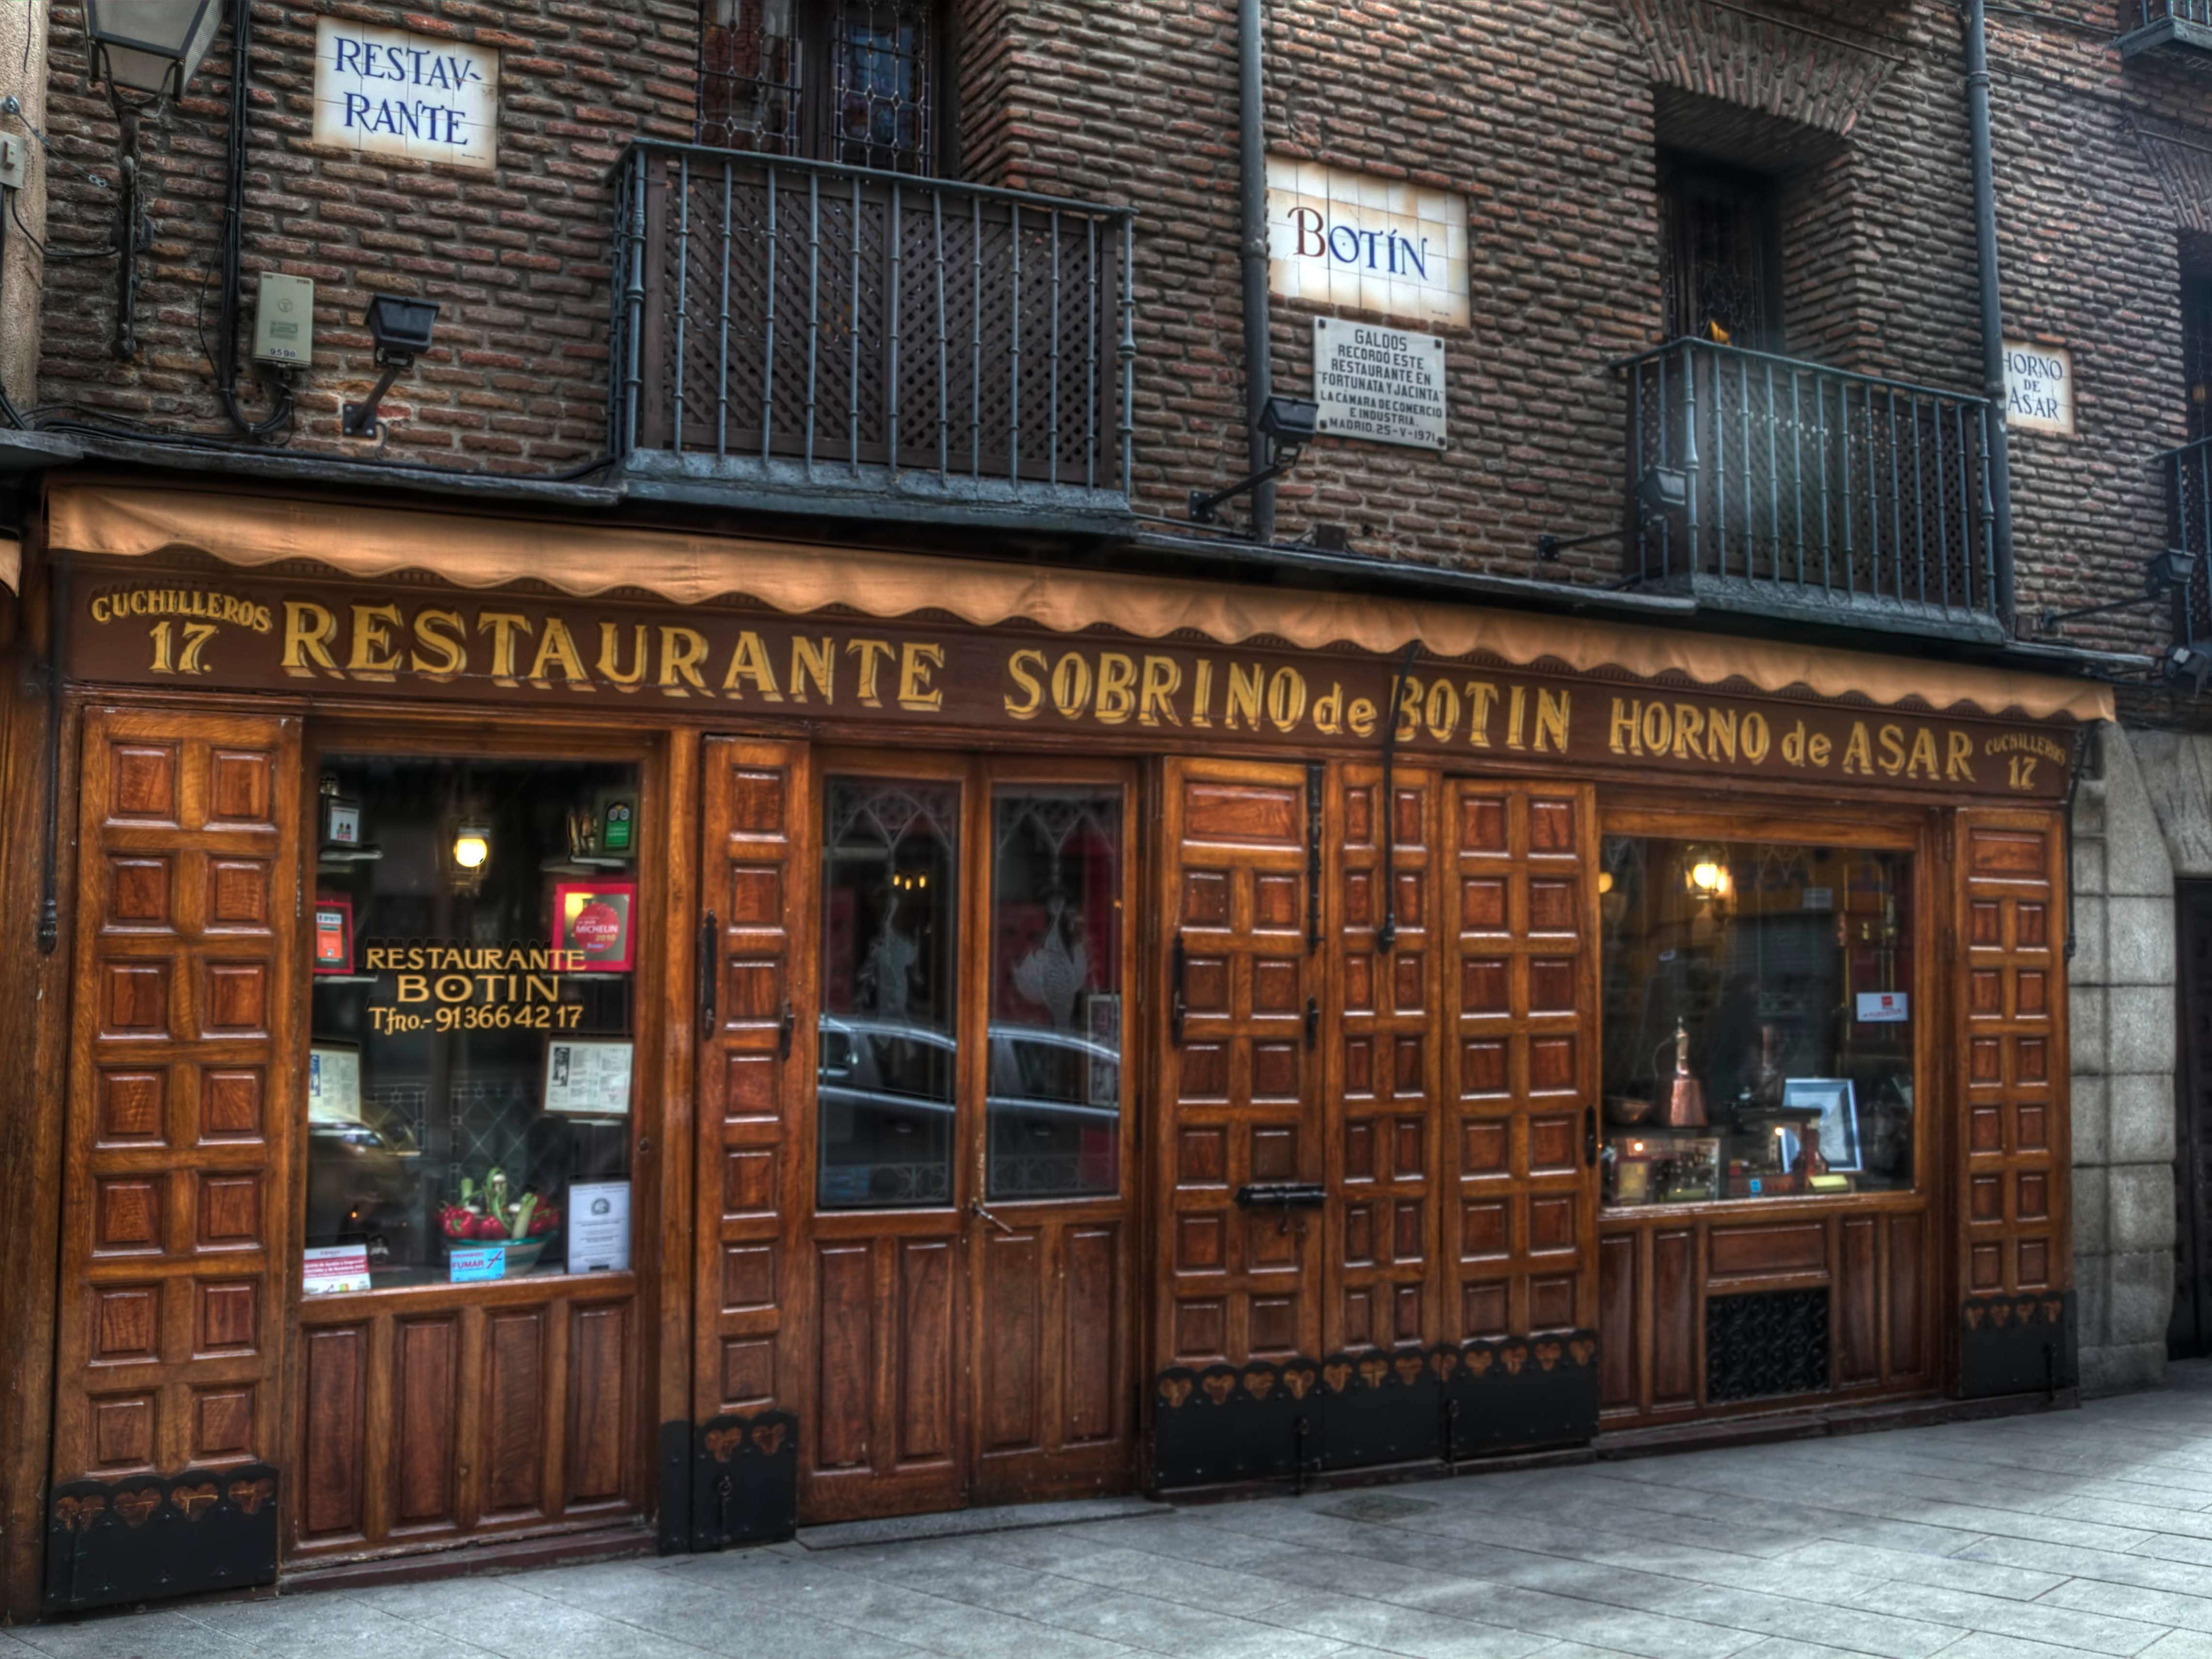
(1054, 1100)
(887, 1065)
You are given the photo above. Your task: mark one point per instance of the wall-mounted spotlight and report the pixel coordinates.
(2188, 662)
(2170, 571)
(401, 329)
(1289, 424)
(145, 52)
(1662, 490)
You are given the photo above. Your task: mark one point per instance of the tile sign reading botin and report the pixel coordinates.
(382, 92)
(1355, 242)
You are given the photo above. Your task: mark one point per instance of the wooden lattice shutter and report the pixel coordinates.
(177, 1220)
(2016, 1319)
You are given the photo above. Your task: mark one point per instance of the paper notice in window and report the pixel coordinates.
(587, 1079)
(1884, 1008)
(332, 1270)
(599, 1227)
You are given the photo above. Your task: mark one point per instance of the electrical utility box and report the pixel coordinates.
(284, 320)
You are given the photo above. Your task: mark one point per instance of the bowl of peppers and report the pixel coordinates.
(489, 1213)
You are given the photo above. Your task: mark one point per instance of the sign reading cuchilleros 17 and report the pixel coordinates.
(181, 632)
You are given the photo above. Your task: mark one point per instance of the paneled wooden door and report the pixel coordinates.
(1377, 1230)
(175, 1210)
(922, 1239)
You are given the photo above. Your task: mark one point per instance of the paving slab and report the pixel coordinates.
(2054, 1536)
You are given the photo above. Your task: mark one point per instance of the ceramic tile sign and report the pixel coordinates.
(1381, 384)
(2039, 388)
(1356, 242)
(383, 91)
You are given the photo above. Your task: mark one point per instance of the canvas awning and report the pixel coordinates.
(476, 551)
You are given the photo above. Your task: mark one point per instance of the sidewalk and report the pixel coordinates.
(2084, 1532)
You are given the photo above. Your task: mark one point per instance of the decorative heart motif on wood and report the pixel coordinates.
(769, 1437)
(1582, 1349)
(1974, 1319)
(1479, 1362)
(1175, 1390)
(1446, 1362)
(250, 1495)
(194, 1501)
(77, 1514)
(1372, 1372)
(1514, 1357)
(1547, 1354)
(721, 1443)
(1259, 1385)
(136, 1506)
(2053, 1310)
(1338, 1377)
(1219, 1387)
(1299, 1381)
(2001, 1315)
(1408, 1368)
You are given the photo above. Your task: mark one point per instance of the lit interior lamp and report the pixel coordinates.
(1605, 881)
(1707, 875)
(471, 847)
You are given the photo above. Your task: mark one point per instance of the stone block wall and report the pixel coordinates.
(2120, 984)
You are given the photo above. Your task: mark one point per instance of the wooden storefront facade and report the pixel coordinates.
(1322, 919)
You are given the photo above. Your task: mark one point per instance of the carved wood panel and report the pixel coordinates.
(175, 1190)
(2015, 1265)
(754, 1074)
(1240, 1072)
(1520, 1004)
(1383, 1064)
(432, 1415)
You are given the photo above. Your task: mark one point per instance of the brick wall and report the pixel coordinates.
(1547, 116)
(517, 261)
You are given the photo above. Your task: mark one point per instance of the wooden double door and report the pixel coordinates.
(916, 1248)
(1376, 1238)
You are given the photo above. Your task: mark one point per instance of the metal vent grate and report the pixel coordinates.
(1773, 1343)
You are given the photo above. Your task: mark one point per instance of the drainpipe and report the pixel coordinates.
(1986, 245)
(1252, 146)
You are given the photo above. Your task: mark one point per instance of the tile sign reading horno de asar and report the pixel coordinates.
(386, 93)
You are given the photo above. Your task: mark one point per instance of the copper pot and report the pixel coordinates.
(1686, 1096)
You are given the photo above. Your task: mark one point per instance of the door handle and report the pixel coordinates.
(1175, 1006)
(1313, 1023)
(783, 1031)
(975, 1208)
(1589, 1135)
(709, 933)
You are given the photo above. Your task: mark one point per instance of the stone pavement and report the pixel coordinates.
(2073, 1533)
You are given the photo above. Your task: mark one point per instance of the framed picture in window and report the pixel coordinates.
(334, 936)
(594, 920)
(1840, 1116)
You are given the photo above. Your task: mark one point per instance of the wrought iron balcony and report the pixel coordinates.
(2189, 505)
(835, 339)
(2169, 27)
(1763, 484)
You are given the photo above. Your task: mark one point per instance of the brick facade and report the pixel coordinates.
(1548, 117)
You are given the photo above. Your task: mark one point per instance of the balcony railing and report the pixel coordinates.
(1765, 484)
(2174, 27)
(834, 338)
(2189, 506)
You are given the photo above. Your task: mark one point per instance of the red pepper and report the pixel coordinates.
(490, 1228)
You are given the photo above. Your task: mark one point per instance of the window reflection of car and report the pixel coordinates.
(897, 1066)
(363, 1184)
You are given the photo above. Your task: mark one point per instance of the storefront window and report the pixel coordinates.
(889, 1046)
(1759, 1008)
(1056, 1064)
(470, 1079)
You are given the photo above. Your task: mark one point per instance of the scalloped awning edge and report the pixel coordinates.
(474, 551)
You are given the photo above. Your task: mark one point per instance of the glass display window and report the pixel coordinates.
(470, 1080)
(1758, 1020)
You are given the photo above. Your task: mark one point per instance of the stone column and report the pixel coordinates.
(2121, 984)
